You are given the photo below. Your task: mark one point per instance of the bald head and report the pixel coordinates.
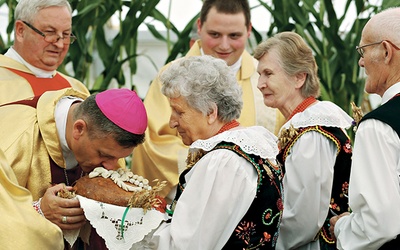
(388, 19)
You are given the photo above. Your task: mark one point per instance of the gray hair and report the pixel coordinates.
(27, 10)
(204, 81)
(295, 56)
(99, 126)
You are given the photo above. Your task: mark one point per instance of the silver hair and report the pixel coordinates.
(27, 10)
(204, 81)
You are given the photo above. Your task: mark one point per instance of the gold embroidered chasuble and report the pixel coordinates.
(161, 153)
(14, 87)
(29, 137)
(21, 226)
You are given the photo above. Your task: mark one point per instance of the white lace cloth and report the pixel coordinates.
(107, 220)
(323, 113)
(251, 140)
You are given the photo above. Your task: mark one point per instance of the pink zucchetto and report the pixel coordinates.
(124, 108)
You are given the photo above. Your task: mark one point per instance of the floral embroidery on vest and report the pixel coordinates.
(259, 227)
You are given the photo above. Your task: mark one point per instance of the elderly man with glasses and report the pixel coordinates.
(374, 189)
(42, 36)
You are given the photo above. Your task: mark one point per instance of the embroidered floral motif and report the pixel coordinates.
(267, 237)
(268, 217)
(343, 195)
(345, 189)
(245, 230)
(268, 170)
(334, 206)
(280, 204)
(347, 147)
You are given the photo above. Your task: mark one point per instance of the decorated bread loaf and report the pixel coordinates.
(120, 187)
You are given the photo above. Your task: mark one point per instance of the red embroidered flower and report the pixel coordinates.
(345, 187)
(347, 147)
(279, 204)
(267, 237)
(244, 230)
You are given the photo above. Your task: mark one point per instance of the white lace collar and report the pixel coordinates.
(323, 113)
(255, 140)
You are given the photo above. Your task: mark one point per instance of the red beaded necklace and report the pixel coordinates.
(228, 126)
(302, 106)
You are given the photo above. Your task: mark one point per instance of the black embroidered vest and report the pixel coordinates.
(341, 176)
(259, 227)
(389, 114)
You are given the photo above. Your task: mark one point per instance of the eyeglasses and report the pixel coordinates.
(360, 49)
(53, 38)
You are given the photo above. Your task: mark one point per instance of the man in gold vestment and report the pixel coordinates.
(42, 36)
(223, 28)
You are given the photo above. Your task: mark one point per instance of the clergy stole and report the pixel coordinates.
(41, 85)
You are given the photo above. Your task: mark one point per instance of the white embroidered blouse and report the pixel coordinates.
(220, 189)
(309, 176)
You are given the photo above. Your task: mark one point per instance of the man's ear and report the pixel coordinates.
(19, 29)
(388, 51)
(79, 128)
(249, 29)
(198, 26)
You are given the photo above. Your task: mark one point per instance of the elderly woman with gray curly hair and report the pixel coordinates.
(230, 194)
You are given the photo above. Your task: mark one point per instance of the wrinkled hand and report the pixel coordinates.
(55, 208)
(333, 221)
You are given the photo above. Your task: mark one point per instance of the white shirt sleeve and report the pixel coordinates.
(374, 194)
(220, 189)
(307, 190)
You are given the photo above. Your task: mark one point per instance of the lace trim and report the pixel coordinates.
(252, 140)
(323, 113)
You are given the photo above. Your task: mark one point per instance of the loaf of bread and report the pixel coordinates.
(120, 187)
(103, 190)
